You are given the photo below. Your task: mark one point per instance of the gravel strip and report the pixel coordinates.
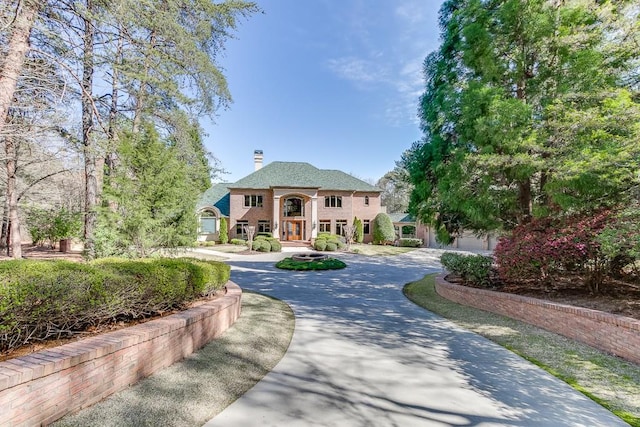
(193, 391)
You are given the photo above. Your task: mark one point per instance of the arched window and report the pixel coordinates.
(293, 206)
(208, 222)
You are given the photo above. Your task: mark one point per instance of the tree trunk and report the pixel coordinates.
(4, 232)
(112, 135)
(89, 147)
(141, 95)
(17, 48)
(524, 201)
(15, 240)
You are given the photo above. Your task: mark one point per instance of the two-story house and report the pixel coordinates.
(293, 201)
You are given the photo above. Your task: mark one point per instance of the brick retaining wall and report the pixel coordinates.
(42, 387)
(617, 335)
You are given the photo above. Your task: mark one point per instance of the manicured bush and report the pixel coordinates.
(331, 247)
(383, 231)
(261, 245)
(359, 238)
(410, 242)
(320, 244)
(264, 234)
(40, 300)
(276, 246)
(224, 231)
(475, 269)
(238, 242)
(328, 264)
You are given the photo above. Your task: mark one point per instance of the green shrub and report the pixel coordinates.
(340, 244)
(264, 234)
(328, 264)
(238, 242)
(331, 247)
(410, 242)
(224, 231)
(320, 244)
(383, 231)
(261, 245)
(53, 224)
(276, 246)
(475, 269)
(260, 237)
(53, 299)
(359, 237)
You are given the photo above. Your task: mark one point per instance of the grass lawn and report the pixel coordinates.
(191, 392)
(374, 250)
(610, 381)
(227, 248)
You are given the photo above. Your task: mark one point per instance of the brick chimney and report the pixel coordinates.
(257, 159)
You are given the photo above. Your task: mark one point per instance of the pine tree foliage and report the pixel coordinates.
(153, 194)
(530, 107)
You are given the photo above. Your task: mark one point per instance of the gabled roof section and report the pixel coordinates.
(301, 175)
(401, 217)
(217, 195)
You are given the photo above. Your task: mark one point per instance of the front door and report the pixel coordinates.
(294, 230)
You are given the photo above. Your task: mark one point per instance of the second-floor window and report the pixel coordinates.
(252, 201)
(333, 201)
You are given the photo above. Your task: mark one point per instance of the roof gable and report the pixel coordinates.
(218, 196)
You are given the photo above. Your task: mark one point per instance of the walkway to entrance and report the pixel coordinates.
(363, 355)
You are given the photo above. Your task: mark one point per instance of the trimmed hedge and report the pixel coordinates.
(475, 269)
(410, 242)
(383, 231)
(42, 300)
(329, 242)
(327, 264)
(265, 243)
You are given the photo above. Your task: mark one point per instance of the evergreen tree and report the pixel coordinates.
(383, 231)
(224, 231)
(359, 230)
(153, 195)
(507, 95)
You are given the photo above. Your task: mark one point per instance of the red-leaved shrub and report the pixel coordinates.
(546, 248)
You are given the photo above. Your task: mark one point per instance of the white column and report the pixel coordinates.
(276, 217)
(314, 216)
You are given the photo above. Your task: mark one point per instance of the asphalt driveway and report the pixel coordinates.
(363, 355)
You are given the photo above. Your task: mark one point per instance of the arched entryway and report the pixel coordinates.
(294, 222)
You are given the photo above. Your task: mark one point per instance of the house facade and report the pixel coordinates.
(293, 201)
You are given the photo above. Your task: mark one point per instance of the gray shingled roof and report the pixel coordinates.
(217, 195)
(301, 175)
(401, 217)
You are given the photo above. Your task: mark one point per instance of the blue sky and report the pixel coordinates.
(331, 82)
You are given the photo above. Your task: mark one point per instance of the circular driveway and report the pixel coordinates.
(364, 355)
